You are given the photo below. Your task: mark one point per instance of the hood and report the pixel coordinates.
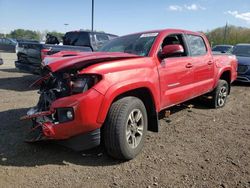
(79, 60)
(243, 60)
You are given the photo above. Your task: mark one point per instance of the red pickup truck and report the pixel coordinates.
(115, 95)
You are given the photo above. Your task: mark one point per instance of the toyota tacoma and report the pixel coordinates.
(114, 96)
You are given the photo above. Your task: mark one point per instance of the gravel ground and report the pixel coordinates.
(197, 147)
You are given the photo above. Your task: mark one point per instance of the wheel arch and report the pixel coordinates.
(143, 92)
(226, 75)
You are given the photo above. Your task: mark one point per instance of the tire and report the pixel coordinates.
(125, 128)
(220, 94)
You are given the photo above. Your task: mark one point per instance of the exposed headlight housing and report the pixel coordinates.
(84, 82)
(64, 114)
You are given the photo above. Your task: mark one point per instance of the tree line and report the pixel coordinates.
(229, 35)
(222, 35)
(31, 35)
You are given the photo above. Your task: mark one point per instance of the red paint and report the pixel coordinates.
(172, 49)
(38, 114)
(170, 81)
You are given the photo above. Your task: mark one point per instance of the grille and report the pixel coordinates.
(242, 68)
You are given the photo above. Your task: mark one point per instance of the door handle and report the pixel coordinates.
(189, 65)
(210, 62)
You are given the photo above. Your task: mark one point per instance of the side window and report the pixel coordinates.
(175, 39)
(197, 45)
(7, 41)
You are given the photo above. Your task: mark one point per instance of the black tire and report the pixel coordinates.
(220, 94)
(119, 125)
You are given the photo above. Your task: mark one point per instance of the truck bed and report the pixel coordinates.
(29, 55)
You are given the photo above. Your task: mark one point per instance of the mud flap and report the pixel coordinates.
(35, 135)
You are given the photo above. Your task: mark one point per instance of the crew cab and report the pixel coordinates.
(31, 54)
(116, 94)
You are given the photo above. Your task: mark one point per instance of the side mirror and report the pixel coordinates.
(171, 50)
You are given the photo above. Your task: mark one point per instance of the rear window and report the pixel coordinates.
(76, 39)
(197, 45)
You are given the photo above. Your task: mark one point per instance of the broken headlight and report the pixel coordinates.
(84, 83)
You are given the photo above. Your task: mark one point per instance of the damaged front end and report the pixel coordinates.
(71, 99)
(46, 116)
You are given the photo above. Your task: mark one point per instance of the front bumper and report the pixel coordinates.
(85, 107)
(78, 143)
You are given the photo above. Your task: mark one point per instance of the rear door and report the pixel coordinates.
(203, 65)
(176, 74)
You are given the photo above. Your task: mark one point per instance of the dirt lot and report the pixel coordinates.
(198, 147)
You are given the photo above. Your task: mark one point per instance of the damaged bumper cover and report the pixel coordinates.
(71, 120)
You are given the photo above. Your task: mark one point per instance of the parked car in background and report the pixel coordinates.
(27, 40)
(8, 45)
(242, 52)
(223, 48)
(116, 94)
(30, 55)
(1, 61)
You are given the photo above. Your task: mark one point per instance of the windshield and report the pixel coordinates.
(242, 51)
(138, 44)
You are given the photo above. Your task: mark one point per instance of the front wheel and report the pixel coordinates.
(220, 94)
(125, 128)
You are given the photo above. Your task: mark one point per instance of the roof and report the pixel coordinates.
(243, 44)
(167, 30)
(95, 32)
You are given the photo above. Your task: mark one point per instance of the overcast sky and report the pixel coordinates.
(122, 16)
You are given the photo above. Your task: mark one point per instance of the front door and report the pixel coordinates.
(176, 74)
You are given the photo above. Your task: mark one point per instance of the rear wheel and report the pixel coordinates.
(125, 128)
(220, 94)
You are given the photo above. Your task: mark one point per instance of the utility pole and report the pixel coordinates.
(225, 34)
(92, 22)
(66, 24)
